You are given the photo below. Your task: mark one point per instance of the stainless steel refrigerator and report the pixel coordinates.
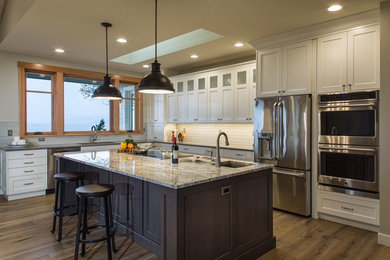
(282, 132)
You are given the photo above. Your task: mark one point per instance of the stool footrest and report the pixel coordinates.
(86, 241)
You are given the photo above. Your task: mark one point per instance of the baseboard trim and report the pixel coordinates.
(348, 222)
(383, 239)
(25, 195)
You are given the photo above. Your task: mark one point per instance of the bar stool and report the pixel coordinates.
(61, 179)
(85, 193)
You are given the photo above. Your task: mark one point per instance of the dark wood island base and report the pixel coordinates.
(229, 218)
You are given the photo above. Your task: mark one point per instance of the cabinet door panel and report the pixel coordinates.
(172, 117)
(214, 228)
(269, 64)
(152, 211)
(243, 103)
(363, 58)
(227, 104)
(332, 63)
(181, 108)
(202, 106)
(297, 68)
(214, 105)
(192, 107)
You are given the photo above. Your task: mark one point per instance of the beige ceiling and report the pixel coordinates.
(74, 25)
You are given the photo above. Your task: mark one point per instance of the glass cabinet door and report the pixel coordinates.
(214, 82)
(227, 80)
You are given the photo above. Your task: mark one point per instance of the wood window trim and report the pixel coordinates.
(59, 73)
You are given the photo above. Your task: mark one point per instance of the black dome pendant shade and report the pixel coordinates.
(107, 90)
(155, 82)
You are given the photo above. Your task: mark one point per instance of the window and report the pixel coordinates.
(81, 112)
(58, 101)
(38, 102)
(127, 108)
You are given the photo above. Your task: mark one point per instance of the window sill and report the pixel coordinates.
(87, 133)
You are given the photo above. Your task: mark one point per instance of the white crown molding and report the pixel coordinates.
(313, 31)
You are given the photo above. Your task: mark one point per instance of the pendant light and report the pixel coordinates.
(155, 82)
(107, 90)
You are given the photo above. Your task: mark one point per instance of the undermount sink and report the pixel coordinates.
(99, 143)
(235, 164)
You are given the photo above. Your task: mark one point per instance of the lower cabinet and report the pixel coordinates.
(24, 173)
(349, 207)
(155, 132)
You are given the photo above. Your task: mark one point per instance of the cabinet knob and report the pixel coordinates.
(283, 91)
(350, 85)
(343, 85)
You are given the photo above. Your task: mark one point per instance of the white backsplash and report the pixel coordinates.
(240, 135)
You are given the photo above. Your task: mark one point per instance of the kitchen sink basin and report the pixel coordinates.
(235, 164)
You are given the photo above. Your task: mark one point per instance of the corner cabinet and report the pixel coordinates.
(285, 70)
(349, 61)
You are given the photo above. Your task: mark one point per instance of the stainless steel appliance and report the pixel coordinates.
(348, 143)
(282, 130)
(349, 118)
(51, 164)
(351, 167)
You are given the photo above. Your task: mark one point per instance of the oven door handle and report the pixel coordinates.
(370, 106)
(347, 149)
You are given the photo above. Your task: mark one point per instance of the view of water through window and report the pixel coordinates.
(81, 112)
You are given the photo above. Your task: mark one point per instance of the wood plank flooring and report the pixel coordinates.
(25, 234)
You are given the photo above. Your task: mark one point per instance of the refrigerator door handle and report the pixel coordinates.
(275, 131)
(290, 173)
(280, 126)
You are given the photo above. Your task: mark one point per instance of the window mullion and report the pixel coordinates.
(59, 102)
(114, 113)
(22, 102)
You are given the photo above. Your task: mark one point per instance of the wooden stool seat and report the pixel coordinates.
(94, 190)
(85, 193)
(68, 176)
(62, 179)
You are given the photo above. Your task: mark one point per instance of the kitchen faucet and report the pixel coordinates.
(93, 134)
(218, 157)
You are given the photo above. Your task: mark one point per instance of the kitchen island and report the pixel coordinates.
(191, 210)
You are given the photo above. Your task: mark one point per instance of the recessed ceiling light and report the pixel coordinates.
(58, 50)
(238, 44)
(121, 40)
(334, 8)
(194, 56)
(145, 66)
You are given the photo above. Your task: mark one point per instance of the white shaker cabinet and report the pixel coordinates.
(349, 61)
(269, 65)
(243, 95)
(181, 99)
(227, 96)
(285, 70)
(201, 83)
(214, 98)
(192, 100)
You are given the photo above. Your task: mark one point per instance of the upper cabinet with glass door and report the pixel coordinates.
(242, 95)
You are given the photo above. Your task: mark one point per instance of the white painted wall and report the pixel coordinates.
(384, 130)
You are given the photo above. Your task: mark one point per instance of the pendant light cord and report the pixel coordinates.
(155, 31)
(106, 51)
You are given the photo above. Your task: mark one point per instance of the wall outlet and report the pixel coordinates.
(10, 132)
(41, 139)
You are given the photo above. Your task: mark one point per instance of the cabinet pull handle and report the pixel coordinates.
(185, 149)
(28, 154)
(349, 209)
(28, 162)
(29, 171)
(240, 154)
(225, 190)
(29, 183)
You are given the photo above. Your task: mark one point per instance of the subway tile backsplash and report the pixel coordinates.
(240, 135)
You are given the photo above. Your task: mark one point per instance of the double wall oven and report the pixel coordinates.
(349, 143)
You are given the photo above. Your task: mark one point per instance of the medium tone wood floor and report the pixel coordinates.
(25, 234)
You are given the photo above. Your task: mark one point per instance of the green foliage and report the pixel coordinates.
(87, 90)
(101, 126)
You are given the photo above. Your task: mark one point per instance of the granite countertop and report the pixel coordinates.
(188, 172)
(230, 147)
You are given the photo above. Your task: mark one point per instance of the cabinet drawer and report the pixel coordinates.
(27, 171)
(345, 206)
(22, 184)
(27, 154)
(16, 163)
